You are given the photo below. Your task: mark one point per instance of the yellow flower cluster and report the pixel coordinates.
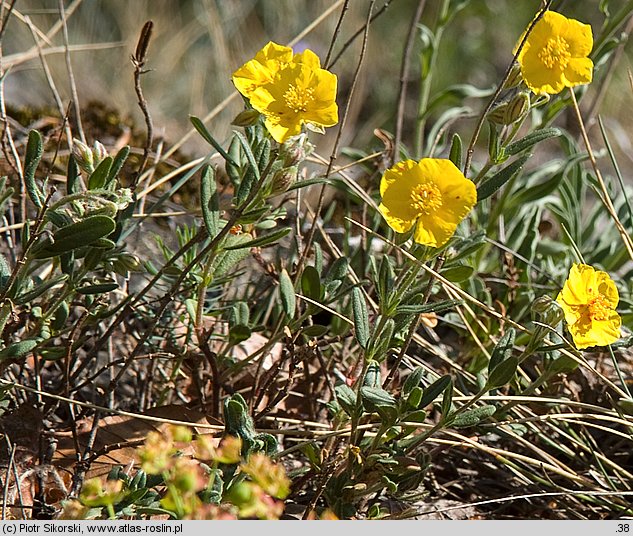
(289, 90)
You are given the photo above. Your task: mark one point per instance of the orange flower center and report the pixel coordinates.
(298, 99)
(426, 198)
(555, 53)
(598, 308)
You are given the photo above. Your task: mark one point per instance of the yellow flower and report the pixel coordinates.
(289, 90)
(588, 299)
(555, 54)
(431, 194)
(262, 68)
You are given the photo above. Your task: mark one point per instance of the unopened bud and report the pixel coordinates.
(295, 150)
(283, 179)
(511, 111)
(99, 153)
(514, 78)
(549, 311)
(83, 156)
(518, 107)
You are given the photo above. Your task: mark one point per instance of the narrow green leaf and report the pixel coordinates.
(346, 397)
(209, 201)
(117, 164)
(40, 289)
(287, 294)
(261, 241)
(458, 273)
(502, 350)
(447, 399)
(76, 235)
(18, 349)
(495, 182)
(361, 317)
(311, 283)
(503, 373)
(474, 416)
(530, 140)
(434, 390)
(98, 177)
(101, 288)
(455, 154)
(202, 130)
(72, 174)
(34, 151)
(413, 380)
(435, 307)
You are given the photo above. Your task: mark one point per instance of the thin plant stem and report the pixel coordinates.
(603, 187)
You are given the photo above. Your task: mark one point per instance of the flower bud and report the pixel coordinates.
(99, 153)
(295, 150)
(283, 179)
(548, 310)
(83, 156)
(518, 107)
(515, 78)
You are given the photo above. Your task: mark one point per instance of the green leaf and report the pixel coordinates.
(311, 283)
(261, 241)
(381, 342)
(311, 182)
(338, 270)
(455, 154)
(503, 349)
(458, 273)
(209, 201)
(495, 182)
(98, 176)
(530, 140)
(72, 174)
(434, 390)
(101, 288)
(474, 416)
(34, 151)
(76, 235)
(239, 333)
(117, 163)
(447, 400)
(226, 260)
(435, 307)
(346, 397)
(31, 295)
(413, 380)
(376, 396)
(5, 272)
(202, 130)
(503, 373)
(18, 349)
(361, 317)
(287, 294)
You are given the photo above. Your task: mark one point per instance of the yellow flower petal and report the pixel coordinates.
(397, 224)
(393, 174)
(578, 71)
(262, 68)
(433, 231)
